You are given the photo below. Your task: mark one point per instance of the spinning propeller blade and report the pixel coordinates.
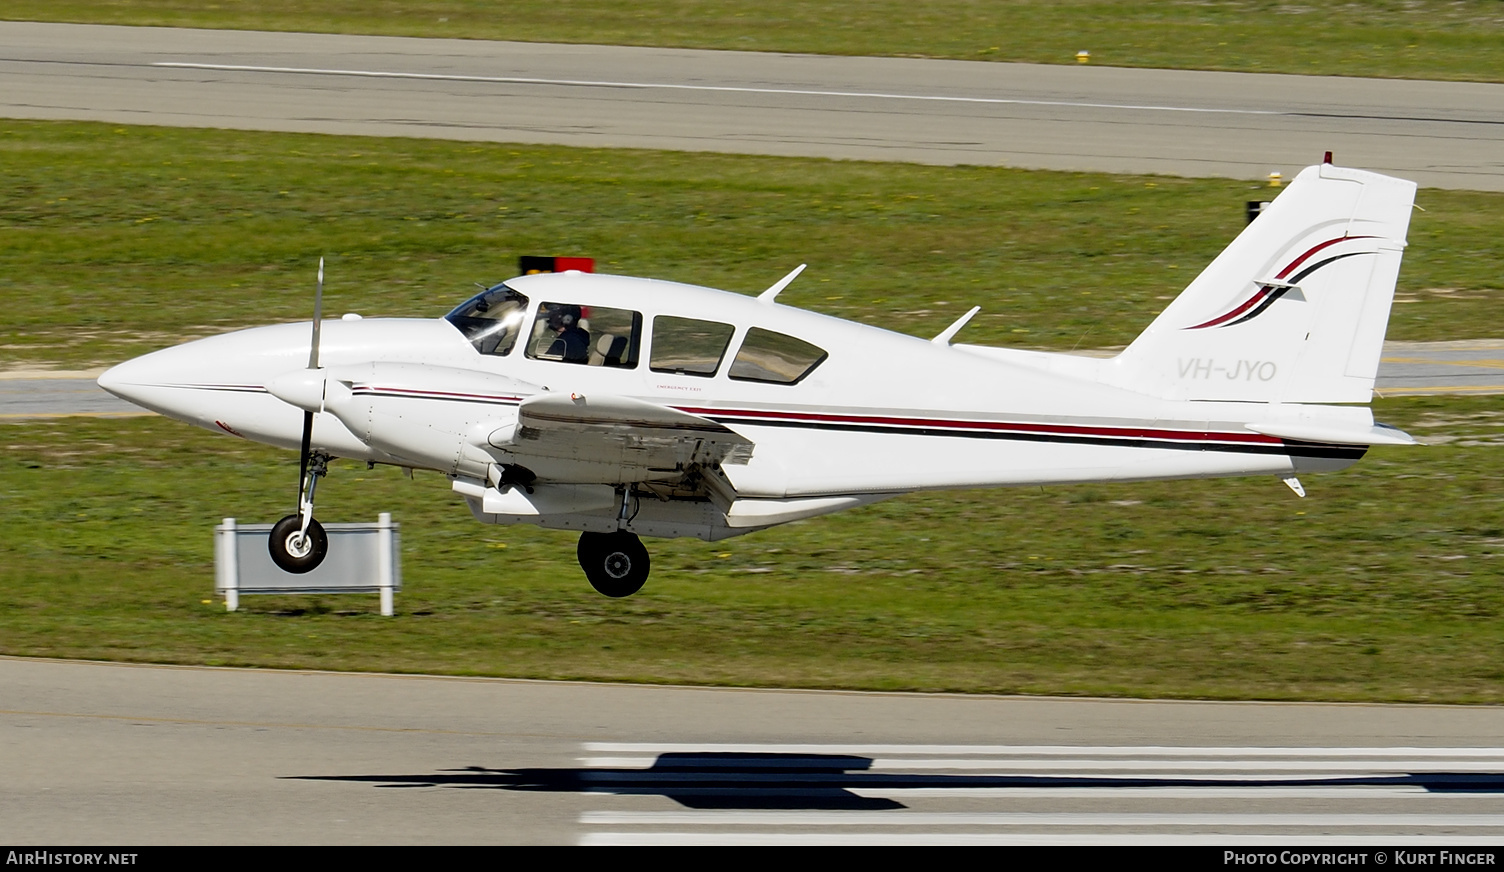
(318, 317)
(313, 363)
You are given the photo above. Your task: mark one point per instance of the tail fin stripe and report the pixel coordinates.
(1302, 259)
(1263, 292)
(1245, 306)
(1331, 260)
(1280, 292)
(1263, 298)
(1269, 301)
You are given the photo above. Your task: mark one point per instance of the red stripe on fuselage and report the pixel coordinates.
(961, 426)
(749, 416)
(420, 394)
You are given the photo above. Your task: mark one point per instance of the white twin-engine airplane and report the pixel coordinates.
(625, 407)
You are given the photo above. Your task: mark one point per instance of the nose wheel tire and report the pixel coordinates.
(615, 563)
(295, 551)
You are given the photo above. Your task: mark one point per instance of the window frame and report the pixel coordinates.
(747, 337)
(715, 367)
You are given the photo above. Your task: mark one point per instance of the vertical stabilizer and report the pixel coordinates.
(1294, 310)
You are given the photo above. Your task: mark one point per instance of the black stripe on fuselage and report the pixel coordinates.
(1293, 449)
(1286, 447)
(423, 395)
(223, 389)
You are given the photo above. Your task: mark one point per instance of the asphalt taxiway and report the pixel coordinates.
(1238, 125)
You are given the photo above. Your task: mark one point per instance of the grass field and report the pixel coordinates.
(1432, 39)
(1382, 585)
(117, 240)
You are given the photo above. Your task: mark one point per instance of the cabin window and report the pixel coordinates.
(686, 346)
(771, 357)
(491, 320)
(591, 335)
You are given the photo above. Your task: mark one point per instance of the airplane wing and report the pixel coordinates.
(598, 428)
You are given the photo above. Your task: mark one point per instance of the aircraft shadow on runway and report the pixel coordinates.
(718, 780)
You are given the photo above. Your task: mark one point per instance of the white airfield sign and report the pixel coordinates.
(624, 407)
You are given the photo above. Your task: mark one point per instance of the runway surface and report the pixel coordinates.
(1235, 125)
(1407, 369)
(107, 753)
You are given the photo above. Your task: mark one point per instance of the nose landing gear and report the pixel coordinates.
(298, 543)
(296, 550)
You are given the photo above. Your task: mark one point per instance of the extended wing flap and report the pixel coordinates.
(574, 425)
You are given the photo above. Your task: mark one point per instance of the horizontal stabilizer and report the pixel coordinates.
(1378, 434)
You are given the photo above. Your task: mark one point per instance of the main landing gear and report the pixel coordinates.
(298, 543)
(616, 563)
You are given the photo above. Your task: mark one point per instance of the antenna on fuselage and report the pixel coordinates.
(771, 293)
(950, 332)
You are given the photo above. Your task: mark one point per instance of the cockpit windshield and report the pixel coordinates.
(491, 320)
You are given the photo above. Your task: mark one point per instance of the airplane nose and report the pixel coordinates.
(170, 382)
(223, 383)
(131, 380)
(111, 380)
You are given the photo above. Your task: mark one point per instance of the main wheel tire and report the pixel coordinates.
(616, 564)
(292, 550)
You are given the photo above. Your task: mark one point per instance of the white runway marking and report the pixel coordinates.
(1241, 752)
(986, 767)
(887, 794)
(1222, 791)
(668, 86)
(1028, 819)
(1008, 839)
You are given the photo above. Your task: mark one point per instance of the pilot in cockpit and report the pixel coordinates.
(571, 342)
